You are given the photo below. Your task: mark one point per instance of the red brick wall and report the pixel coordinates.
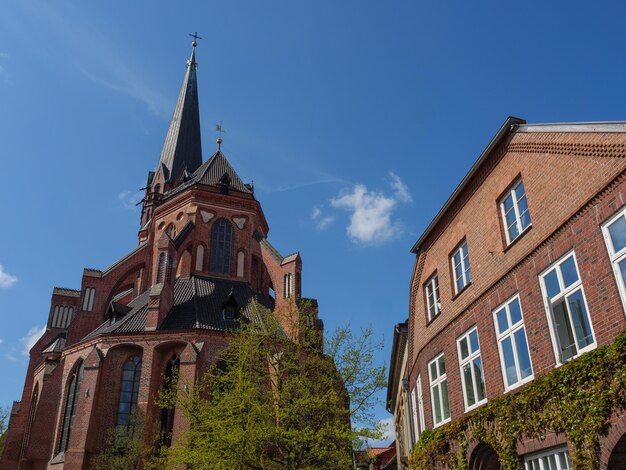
(569, 197)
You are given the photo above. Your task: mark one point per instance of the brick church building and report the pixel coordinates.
(202, 260)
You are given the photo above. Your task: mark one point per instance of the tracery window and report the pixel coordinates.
(129, 391)
(71, 401)
(221, 246)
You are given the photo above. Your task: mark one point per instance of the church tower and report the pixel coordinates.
(203, 265)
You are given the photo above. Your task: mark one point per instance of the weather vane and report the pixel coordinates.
(218, 128)
(195, 38)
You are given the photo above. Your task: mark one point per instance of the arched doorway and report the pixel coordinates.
(617, 461)
(484, 458)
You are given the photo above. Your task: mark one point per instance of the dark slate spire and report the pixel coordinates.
(182, 149)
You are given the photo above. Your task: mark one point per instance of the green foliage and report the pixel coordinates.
(4, 424)
(125, 447)
(354, 357)
(273, 404)
(576, 399)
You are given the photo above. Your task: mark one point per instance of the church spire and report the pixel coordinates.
(182, 149)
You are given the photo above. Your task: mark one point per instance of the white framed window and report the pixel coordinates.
(564, 299)
(420, 403)
(433, 302)
(614, 231)
(472, 375)
(515, 213)
(416, 429)
(439, 390)
(512, 344)
(461, 268)
(552, 459)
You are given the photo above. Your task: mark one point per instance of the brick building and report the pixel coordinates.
(522, 271)
(202, 260)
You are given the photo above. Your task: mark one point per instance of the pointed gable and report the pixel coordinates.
(217, 170)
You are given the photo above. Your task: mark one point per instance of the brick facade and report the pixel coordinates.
(574, 179)
(127, 309)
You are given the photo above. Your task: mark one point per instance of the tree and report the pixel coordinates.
(125, 447)
(274, 404)
(4, 424)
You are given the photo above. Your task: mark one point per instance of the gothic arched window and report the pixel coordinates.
(287, 286)
(129, 391)
(221, 246)
(29, 423)
(171, 231)
(167, 414)
(71, 400)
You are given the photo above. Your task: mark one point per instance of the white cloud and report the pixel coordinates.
(130, 199)
(401, 190)
(31, 338)
(370, 222)
(6, 280)
(371, 219)
(321, 222)
(1, 341)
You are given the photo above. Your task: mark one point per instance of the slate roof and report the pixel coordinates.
(56, 346)
(198, 303)
(210, 173)
(182, 149)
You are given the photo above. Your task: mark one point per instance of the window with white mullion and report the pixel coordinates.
(439, 390)
(420, 403)
(461, 268)
(416, 429)
(432, 297)
(472, 375)
(565, 303)
(553, 459)
(515, 213)
(512, 343)
(614, 231)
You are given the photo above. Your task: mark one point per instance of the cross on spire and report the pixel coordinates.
(195, 38)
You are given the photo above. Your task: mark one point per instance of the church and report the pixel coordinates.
(203, 265)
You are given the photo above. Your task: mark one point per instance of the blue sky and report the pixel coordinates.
(354, 119)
